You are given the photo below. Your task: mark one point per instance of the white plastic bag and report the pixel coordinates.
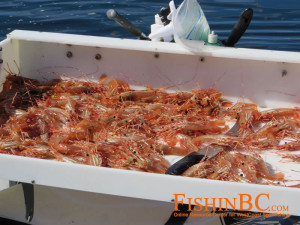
(190, 22)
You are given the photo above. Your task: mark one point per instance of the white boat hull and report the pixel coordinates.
(267, 78)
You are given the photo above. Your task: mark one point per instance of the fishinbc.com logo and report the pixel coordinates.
(243, 204)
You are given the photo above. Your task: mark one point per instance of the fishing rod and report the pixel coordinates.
(126, 24)
(240, 28)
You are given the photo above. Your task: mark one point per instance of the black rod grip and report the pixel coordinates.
(240, 28)
(186, 162)
(126, 24)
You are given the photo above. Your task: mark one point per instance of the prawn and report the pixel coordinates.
(108, 124)
(204, 127)
(291, 146)
(137, 95)
(279, 113)
(234, 110)
(246, 120)
(221, 140)
(233, 166)
(266, 136)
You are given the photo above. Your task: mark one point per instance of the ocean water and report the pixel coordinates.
(275, 24)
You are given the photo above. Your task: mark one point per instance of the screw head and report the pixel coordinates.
(69, 54)
(284, 73)
(98, 56)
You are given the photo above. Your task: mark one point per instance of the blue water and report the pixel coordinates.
(275, 24)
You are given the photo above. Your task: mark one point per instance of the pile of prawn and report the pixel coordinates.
(108, 124)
